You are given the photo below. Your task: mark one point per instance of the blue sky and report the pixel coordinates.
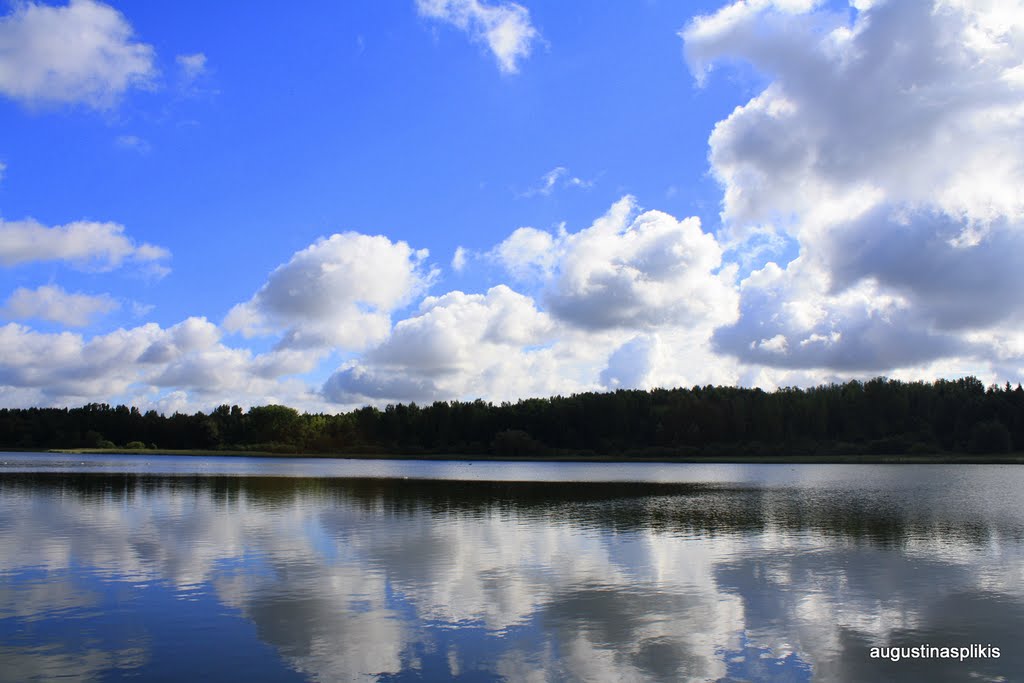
(203, 205)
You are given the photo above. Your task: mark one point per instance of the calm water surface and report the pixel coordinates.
(172, 569)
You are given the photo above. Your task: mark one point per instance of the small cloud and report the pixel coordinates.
(777, 344)
(191, 66)
(3, 167)
(155, 271)
(52, 303)
(133, 142)
(139, 309)
(558, 177)
(87, 245)
(459, 259)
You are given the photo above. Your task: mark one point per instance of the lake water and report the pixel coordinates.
(177, 569)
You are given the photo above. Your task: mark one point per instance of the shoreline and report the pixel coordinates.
(936, 459)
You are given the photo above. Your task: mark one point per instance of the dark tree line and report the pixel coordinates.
(880, 416)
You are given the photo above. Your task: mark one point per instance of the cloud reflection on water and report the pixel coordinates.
(401, 580)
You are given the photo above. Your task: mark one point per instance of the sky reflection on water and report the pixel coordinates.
(767, 574)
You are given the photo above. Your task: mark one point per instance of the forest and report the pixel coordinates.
(880, 416)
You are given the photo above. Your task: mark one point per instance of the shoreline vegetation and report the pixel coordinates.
(866, 459)
(878, 421)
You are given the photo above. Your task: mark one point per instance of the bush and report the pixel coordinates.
(103, 443)
(135, 445)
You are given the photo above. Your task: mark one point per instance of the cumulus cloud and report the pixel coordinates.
(187, 360)
(789, 319)
(909, 101)
(627, 271)
(630, 301)
(84, 244)
(457, 343)
(880, 144)
(79, 53)
(338, 292)
(528, 253)
(505, 28)
(53, 304)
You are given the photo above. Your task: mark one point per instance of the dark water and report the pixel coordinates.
(177, 569)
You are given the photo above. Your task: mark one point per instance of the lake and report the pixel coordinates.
(286, 569)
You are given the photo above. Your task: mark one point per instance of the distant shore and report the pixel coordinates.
(916, 459)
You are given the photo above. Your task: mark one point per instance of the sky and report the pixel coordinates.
(370, 203)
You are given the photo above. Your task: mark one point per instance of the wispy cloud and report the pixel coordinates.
(134, 143)
(192, 66)
(558, 177)
(505, 28)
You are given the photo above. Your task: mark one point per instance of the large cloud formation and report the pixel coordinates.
(616, 301)
(887, 145)
(184, 365)
(80, 53)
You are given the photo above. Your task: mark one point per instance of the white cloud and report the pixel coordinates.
(188, 361)
(52, 303)
(790, 319)
(880, 146)
(457, 344)
(846, 114)
(556, 178)
(505, 28)
(459, 259)
(338, 292)
(192, 66)
(80, 53)
(528, 253)
(626, 274)
(133, 142)
(84, 244)
(627, 271)
(3, 169)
